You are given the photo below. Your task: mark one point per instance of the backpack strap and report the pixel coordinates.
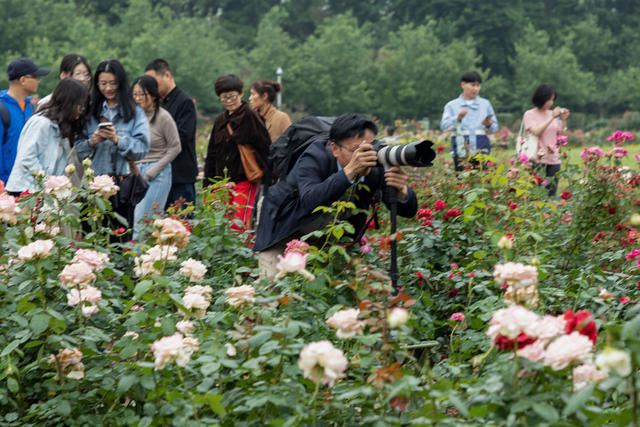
(6, 120)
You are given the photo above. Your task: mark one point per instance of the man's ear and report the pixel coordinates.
(334, 149)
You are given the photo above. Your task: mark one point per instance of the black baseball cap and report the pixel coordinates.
(23, 67)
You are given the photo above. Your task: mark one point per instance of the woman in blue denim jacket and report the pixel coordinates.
(112, 148)
(47, 138)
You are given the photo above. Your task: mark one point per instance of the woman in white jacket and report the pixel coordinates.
(48, 137)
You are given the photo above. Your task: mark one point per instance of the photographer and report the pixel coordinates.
(321, 176)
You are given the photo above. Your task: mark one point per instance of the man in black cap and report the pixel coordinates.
(15, 108)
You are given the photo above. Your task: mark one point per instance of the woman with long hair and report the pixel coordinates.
(47, 138)
(72, 66)
(165, 146)
(262, 95)
(118, 130)
(238, 131)
(547, 124)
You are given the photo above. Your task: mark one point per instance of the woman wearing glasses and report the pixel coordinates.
(123, 134)
(238, 129)
(72, 66)
(165, 146)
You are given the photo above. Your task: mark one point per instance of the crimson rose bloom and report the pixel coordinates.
(452, 213)
(504, 343)
(582, 322)
(439, 205)
(566, 195)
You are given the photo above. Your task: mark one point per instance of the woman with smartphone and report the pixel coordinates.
(47, 138)
(547, 124)
(118, 130)
(165, 146)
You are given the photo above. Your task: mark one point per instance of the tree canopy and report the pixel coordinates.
(392, 58)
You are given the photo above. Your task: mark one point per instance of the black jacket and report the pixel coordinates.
(316, 181)
(184, 167)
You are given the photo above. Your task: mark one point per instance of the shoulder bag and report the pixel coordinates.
(250, 165)
(526, 143)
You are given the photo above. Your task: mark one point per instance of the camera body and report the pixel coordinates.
(417, 154)
(563, 110)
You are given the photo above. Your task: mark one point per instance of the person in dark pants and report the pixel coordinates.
(179, 104)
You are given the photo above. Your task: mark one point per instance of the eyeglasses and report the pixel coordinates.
(229, 98)
(351, 150)
(103, 84)
(138, 95)
(81, 75)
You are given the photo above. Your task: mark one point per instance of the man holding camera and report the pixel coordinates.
(344, 166)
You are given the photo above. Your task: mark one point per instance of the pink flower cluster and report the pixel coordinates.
(297, 246)
(514, 274)
(591, 153)
(322, 363)
(556, 341)
(346, 323)
(620, 136)
(175, 348)
(77, 274)
(68, 362)
(95, 259)
(585, 374)
(562, 140)
(145, 263)
(619, 152)
(87, 294)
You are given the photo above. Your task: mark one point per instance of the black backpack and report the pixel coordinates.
(285, 150)
(6, 120)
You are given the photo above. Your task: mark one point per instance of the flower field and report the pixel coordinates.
(513, 309)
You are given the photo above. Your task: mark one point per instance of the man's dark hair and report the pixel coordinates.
(123, 93)
(471, 77)
(159, 65)
(149, 86)
(542, 94)
(68, 98)
(71, 61)
(228, 83)
(350, 125)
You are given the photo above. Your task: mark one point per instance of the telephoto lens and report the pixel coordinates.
(418, 154)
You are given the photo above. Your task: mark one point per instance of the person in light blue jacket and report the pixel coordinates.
(47, 138)
(112, 148)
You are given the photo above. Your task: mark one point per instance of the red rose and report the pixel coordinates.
(566, 195)
(439, 205)
(582, 322)
(504, 343)
(624, 300)
(612, 210)
(452, 213)
(119, 231)
(440, 148)
(453, 292)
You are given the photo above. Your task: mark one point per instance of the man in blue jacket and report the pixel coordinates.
(23, 81)
(322, 175)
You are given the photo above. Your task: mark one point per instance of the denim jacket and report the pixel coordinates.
(133, 144)
(39, 149)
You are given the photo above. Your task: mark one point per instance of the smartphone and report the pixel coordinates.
(103, 125)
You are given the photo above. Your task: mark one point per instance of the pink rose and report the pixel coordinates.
(587, 373)
(322, 363)
(516, 275)
(8, 209)
(240, 296)
(171, 232)
(566, 349)
(293, 262)
(95, 259)
(37, 249)
(297, 246)
(103, 186)
(398, 316)
(58, 186)
(192, 269)
(533, 352)
(346, 323)
(77, 274)
(174, 348)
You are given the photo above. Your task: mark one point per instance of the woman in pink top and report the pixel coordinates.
(547, 124)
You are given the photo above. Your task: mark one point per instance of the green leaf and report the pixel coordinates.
(259, 339)
(12, 384)
(9, 348)
(125, 383)
(215, 402)
(63, 408)
(546, 411)
(142, 288)
(459, 404)
(168, 327)
(129, 351)
(24, 305)
(578, 400)
(39, 323)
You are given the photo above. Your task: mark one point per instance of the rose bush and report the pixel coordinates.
(500, 318)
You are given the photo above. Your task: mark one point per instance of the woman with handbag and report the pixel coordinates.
(117, 135)
(238, 148)
(47, 139)
(546, 124)
(263, 93)
(165, 146)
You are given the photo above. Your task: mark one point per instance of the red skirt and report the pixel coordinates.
(243, 199)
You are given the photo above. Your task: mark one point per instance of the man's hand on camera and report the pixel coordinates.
(396, 178)
(362, 160)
